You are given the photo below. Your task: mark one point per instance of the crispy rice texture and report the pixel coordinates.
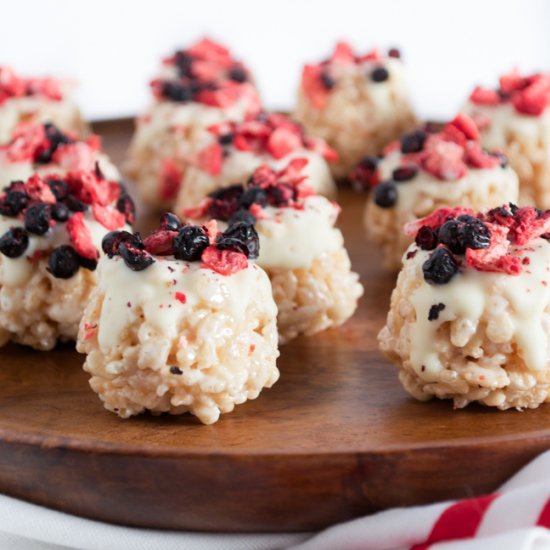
(45, 309)
(352, 122)
(314, 299)
(384, 226)
(224, 362)
(465, 353)
(64, 114)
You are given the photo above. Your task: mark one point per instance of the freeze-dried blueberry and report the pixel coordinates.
(241, 237)
(440, 267)
(74, 204)
(242, 216)
(426, 238)
(37, 218)
(451, 235)
(327, 80)
(59, 188)
(380, 74)
(170, 222)
(190, 243)
(136, 259)
(14, 242)
(111, 240)
(63, 262)
(253, 195)
(60, 212)
(404, 173)
(16, 201)
(281, 194)
(183, 62)
(88, 263)
(413, 142)
(176, 91)
(385, 194)
(226, 139)
(237, 74)
(476, 234)
(435, 310)
(225, 202)
(126, 205)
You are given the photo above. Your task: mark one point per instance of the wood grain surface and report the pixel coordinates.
(335, 438)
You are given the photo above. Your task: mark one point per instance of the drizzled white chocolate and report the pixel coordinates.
(469, 294)
(151, 293)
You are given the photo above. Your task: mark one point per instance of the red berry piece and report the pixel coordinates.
(80, 237)
(224, 262)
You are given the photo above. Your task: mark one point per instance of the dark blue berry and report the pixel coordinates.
(435, 310)
(111, 240)
(59, 188)
(237, 74)
(183, 62)
(385, 194)
(14, 242)
(176, 91)
(451, 234)
(369, 162)
(242, 216)
(476, 235)
(126, 205)
(426, 238)
(15, 201)
(413, 142)
(175, 370)
(327, 80)
(87, 263)
(37, 218)
(170, 222)
(60, 212)
(190, 243)
(55, 138)
(253, 195)
(74, 204)
(241, 237)
(225, 139)
(63, 262)
(440, 267)
(380, 74)
(280, 195)
(225, 202)
(404, 173)
(136, 259)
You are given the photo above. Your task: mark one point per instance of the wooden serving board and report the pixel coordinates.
(335, 438)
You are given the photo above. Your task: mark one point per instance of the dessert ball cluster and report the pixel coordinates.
(357, 103)
(425, 171)
(231, 151)
(36, 148)
(196, 88)
(50, 232)
(182, 321)
(515, 117)
(36, 99)
(469, 316)
(312, 281)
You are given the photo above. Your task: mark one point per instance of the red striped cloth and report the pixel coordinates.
(516, 517)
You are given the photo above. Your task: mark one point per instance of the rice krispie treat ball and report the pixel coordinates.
(515, 117)
(300, 248)
(231, 151)
(181, 322)
(357, 103)
(36, 148)
(470, 316)
(425, 171)
(196, 88)
(51, 230)
(36, 99)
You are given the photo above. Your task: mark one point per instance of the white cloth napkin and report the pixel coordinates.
(516, 517)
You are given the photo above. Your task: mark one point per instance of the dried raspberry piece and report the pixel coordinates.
(38, 190)
(443, 159)
(475, 156)
(313, 87)
(205, 70)
(282, 142)
(74, 156)
(26, 139)
(529, 224)
(343, 53)
(170, 178)
(80, 237)
(209, 50)
(258, 212)
(160, 243)
(224, 262)
(484, 96)
(108, 216)
(181, 297)
(210, 159)
(226, 95)
(86, 186)
(199, 211)
(534, 99)
(465, 126)
(512, 82)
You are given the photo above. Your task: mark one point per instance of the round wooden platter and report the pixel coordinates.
(335, 438)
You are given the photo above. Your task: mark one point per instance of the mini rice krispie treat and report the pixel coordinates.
(425, 171)
(470, 315)
(357, 103)
(196, 88)
(515, 117)
(36, 99)
(36, 148)
(183, 321)
(51, 231)
(231, 151)
(300, 248)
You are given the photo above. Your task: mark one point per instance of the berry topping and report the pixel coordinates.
(81, 237)
(380, 74)
(530, 95)
(13, 85)
(135, 258)
(169, 179)
(37, 218)
(413, 142)
(253, 195)
(385, 194)
(63, 262)
(190, 243)
(225, 262)
(110, 242)
(170, 222)
(60, 212)
(15, 200)
(241, 237)
(426, 238)
(14, 242)
(440, 267)
(160, 242)
(404, 173)
(108, 217)
(242, 216)
(435, 310)
(395, 53)
(364, 175)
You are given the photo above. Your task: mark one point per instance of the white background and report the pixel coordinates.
(112, 47)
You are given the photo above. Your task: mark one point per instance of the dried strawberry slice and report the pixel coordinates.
(534, 99)
(26, 139)
(485, 96)
(530, 224)
(436, 219)
(313, 86)
(282, 142)
(81, 237)
(170, 178)
(495, 258)
(38, 190)
(210, 159)
(475, 156)
(207, 49)
(512, 82)
(466, 127)
(443, 159)
(108, 216)
(160, 243)
(226, 95)
(199, 211)
(343, 53)
(224, 262)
